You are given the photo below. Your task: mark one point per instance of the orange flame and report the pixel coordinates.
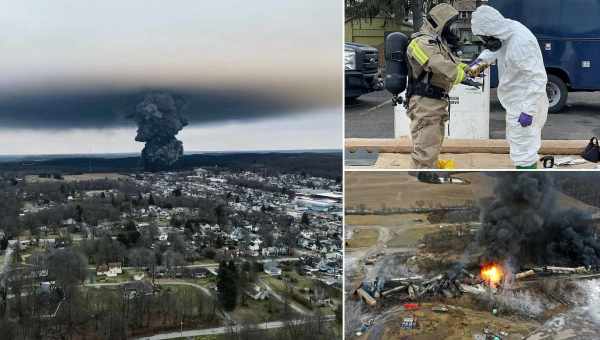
(492, 274)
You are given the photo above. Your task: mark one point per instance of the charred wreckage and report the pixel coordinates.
(525, 239)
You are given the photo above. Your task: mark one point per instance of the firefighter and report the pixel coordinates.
(433, 70)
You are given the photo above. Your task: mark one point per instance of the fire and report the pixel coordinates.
(492, 274)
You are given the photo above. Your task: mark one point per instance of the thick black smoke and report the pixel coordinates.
(159, 118)
(91, 108)
(525, 224)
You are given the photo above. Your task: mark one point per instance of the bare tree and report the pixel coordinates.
(391, 10)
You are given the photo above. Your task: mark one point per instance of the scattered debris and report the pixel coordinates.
(448, 285)
(440, 309)
(525, 274)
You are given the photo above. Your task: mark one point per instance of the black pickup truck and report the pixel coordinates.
(361, 65)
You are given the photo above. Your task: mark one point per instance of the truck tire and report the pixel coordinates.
(557, 92)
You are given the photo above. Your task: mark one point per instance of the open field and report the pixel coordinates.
(362, 237)
(457, 324)
(400, 190)
(258, 311)
(392, 190)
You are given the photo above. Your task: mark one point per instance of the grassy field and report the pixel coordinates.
(299, 295)
(258, 311)
(375, 190)
(409, 237)
(363, 237)
(386, 220)
(405, 230)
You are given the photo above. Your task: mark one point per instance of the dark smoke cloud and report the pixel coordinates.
(159, 118)
(108, 108)
(525, 224)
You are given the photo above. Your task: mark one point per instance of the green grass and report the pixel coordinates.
(277, 284)
(298, 295)
(259, 311)
(203, 282)
(298, 281)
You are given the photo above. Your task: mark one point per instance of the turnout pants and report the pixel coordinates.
(428, 118)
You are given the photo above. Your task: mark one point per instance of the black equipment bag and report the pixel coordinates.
(592, 151)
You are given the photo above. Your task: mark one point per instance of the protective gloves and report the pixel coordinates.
(475, 68)
(525, 120)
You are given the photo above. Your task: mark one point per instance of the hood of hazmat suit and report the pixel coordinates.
(438, 18)
(523, 79)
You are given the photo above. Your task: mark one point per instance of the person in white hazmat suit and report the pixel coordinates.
(522, 87)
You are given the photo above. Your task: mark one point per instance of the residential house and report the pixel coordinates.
(109, 270)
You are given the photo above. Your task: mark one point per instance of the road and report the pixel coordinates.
(7, 256)
(223, 330)
(215, 265)
(292, 304)
(7, 260)
(580, 119)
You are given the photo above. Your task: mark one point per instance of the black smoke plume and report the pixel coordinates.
(159, 118)
(525, 224)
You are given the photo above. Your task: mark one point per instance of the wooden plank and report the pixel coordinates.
(461, 146)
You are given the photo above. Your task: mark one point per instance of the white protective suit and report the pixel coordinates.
(523, 81)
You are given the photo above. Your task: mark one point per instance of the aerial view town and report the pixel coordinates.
(211, 252)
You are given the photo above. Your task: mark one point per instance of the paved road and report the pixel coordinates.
(223, 330)
(216, 265)
(580, 119)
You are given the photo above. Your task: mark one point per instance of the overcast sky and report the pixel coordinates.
(260, 77)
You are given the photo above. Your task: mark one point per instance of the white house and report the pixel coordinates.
(109, 270)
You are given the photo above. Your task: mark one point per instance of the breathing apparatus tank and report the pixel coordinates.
(396, 65)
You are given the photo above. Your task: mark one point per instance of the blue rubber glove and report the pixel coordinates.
(525, 119)
(475, 62)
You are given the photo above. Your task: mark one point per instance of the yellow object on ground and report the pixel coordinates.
(447, 164)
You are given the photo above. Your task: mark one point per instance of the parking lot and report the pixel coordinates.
(579, 120)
